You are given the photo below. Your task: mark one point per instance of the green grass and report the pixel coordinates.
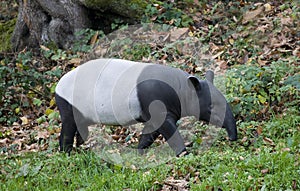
(242, 165)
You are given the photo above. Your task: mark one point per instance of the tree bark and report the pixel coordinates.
(57, 21)
(41, 21)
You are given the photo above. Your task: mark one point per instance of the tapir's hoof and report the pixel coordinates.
(142, 151)
(233, 138)
(79, 140)
(66, 149)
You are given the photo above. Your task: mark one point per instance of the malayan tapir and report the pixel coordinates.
(121, 92)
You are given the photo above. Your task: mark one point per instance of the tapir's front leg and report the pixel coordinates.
(147, 139)
(170, 132)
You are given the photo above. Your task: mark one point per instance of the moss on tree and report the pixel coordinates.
(6, 30)
(126, 8)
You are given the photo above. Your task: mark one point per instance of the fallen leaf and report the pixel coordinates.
(287, 21)
(94, 38)
(244, 139)
(251, 15)
(49, 111)
(217, 55)
(4, 141)
(268, 140)
(286, 149)
(115, 137)
(175, 184)
(44, 48)
(75, 61)
(24, 120)
(43, 135)
(231, 41)
(267, 7)
(262, 62)
(264, 171)
(294, 185)
(259, 130)
(296, 52)
(177, 33)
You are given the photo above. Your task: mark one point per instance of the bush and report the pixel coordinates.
(256, 93)
(24, 79)
(166, 13)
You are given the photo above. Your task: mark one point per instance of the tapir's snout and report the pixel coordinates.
(232, 133)
(230, 124)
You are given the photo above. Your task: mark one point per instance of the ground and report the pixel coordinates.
(254, 50)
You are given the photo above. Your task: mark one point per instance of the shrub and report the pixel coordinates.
(166, 13)
(24, 79)
(258, 92)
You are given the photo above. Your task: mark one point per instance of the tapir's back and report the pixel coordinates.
(105, 90)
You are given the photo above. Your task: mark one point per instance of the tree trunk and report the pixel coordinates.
(57, 21)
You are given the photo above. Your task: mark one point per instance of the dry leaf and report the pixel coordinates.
(262, 62)
(43, 135)
(268, 140)
(267, 7)
(244, 139)
(294, 185)
(251, 15)
(287, 21)
(231, 41)
(175, 184)
(115, 137)
(4, 141)
(217, 55)
(75, 61)
(286, 149)
(94, 38)
(296, 52)
(177, 33)
(24, 120)
(259, 130)
(264, 171)
(44, 48)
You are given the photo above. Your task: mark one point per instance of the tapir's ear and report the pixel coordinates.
(209, 76)
(194, 81)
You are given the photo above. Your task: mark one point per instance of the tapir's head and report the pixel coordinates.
(213, 105)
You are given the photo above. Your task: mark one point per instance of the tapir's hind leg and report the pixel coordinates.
(69, 127)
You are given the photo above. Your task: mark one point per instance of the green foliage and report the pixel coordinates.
(83, 42)
(137, 52)
(258, 92)
(117, 24)
(82, 45)
(23, 81)
(166, 13)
